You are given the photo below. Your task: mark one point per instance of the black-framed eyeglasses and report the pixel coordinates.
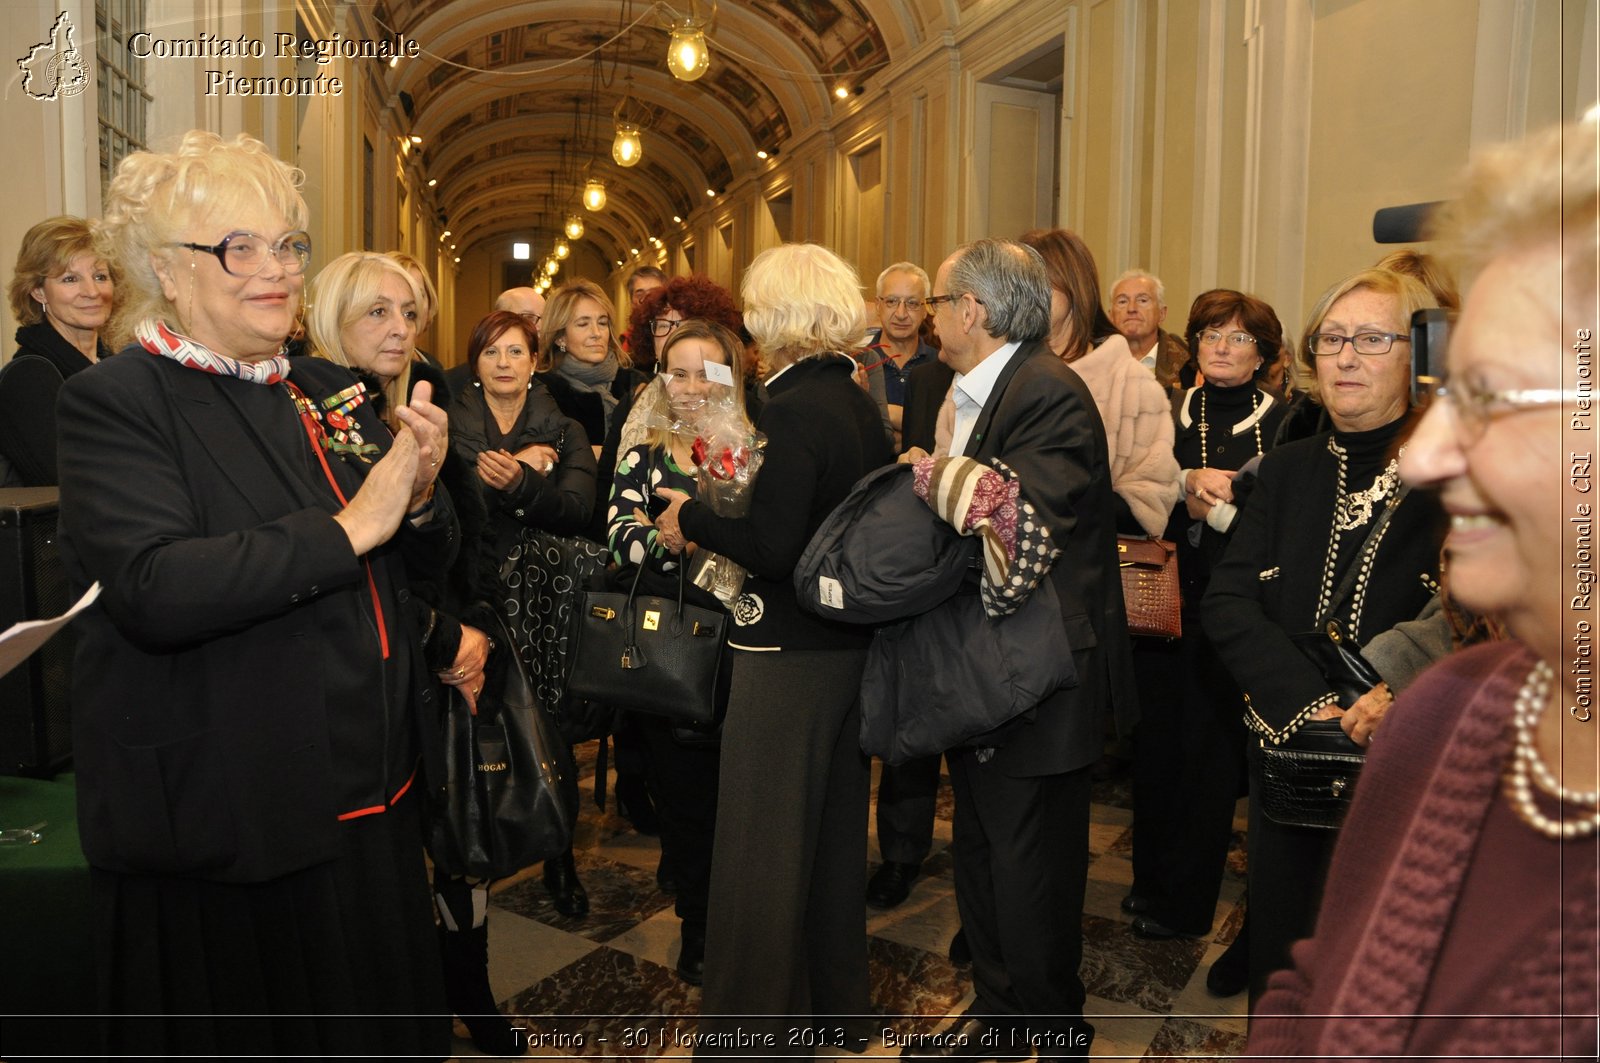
(1328, 344)
(932, 302)
(660, 326)
(895, 302)
(1473, 410)
(243, 254)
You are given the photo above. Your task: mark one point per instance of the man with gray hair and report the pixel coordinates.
(1138, 309)
(1021, 841)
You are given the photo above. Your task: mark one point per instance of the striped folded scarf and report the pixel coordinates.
(976, 499)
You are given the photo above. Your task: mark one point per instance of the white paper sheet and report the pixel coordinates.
(21, 640)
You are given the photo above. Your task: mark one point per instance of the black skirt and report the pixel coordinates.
(341, 959)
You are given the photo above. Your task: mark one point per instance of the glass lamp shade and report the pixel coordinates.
(687, 55)
(594, 194)
(562, 250)
(574, 228)
(551, 266)
(627, 148)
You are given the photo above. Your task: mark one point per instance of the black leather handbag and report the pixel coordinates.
(506, 771)
(649, 653)
(1309, 779)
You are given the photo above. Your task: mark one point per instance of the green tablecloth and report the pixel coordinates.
(44, 903)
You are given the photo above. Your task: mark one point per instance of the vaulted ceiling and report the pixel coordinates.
(514, 101)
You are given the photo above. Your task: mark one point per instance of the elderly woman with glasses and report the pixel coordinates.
(1330, 553)
(250, 694)
(1189, 764)
(1460, 917)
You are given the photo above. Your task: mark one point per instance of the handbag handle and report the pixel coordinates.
(1349, 579)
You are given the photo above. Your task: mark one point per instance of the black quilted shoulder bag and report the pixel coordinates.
(1309, 779)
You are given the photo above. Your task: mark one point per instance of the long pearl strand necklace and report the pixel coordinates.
(1205, 426)
(1526, 762)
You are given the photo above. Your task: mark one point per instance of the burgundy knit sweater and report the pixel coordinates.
(1448, 928)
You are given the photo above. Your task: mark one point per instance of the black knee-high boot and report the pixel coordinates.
(465, 948)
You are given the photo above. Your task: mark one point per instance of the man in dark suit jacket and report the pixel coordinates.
(1022, 803)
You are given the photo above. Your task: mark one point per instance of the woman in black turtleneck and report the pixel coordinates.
(1189, 762)
(61, 292)
(1309, 521)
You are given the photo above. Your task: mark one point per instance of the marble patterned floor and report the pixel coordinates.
(604, 986)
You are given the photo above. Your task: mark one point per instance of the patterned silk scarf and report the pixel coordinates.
(155, 337)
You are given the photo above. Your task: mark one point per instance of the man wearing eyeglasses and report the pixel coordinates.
(902, 295)
(1138, 309)
(1022, 800)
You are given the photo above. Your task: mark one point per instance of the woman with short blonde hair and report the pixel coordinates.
(792, 800)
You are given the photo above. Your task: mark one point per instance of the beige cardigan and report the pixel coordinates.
(1139, 434)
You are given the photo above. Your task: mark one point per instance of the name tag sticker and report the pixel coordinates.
(830, 592)
(718, 373)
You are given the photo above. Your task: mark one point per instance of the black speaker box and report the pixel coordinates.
(35, 718)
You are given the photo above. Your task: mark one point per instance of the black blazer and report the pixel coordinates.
(204, 738)
(925, 392)
(1041, 420)
(1269, 581)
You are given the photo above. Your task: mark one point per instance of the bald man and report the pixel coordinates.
(525, 301)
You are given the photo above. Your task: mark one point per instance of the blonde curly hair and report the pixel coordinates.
(156, 196)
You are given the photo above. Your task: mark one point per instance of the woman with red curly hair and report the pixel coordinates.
(661, 310)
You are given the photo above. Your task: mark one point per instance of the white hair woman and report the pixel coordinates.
(1460, 917)
(789, 937)
(249, 691)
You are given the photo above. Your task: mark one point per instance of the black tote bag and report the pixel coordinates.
(507, 768)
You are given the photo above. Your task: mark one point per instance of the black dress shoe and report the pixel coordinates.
(1134, 904)
(1230, 974)
(965, 1039)
(566, 892)
(1149, 927)
(692, 956)
(891, 884)
(960, 955)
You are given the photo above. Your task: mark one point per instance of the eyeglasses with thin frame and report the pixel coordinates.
(1473, 410)
(895, 302)
(1328, 344)
(660, 326)
(932, 302)
(1237, 340)
(244, 254)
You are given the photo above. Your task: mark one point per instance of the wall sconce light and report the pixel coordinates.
(677, 219)
(594, 194)
(415, 139)
(433, 182)
(574, 228)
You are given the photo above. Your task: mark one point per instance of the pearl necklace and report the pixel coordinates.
(1525, 760)
(1205, 426)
